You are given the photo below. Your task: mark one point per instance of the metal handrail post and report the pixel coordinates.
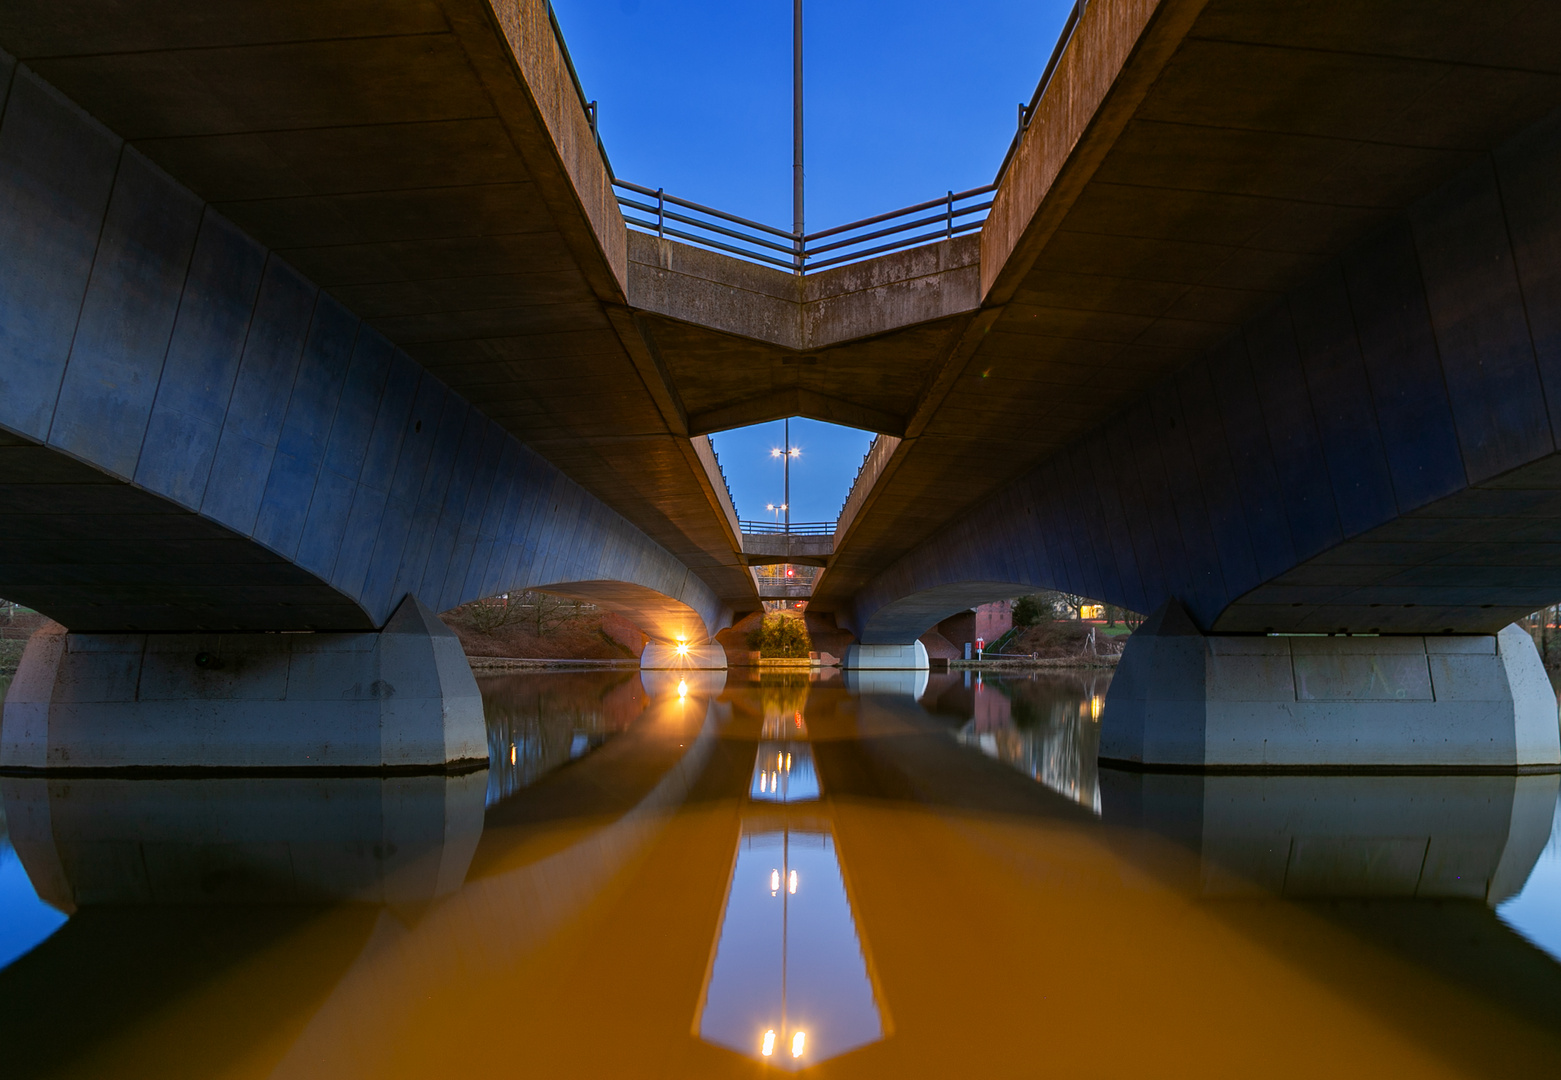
(661, 213)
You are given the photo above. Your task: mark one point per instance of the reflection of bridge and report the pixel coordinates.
(304, 315)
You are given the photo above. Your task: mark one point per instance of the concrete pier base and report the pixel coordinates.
(664, 655)
(1183, 699)
(912, 657)
(402, 698)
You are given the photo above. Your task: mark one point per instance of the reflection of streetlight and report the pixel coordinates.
(769, 1043)
(797, 1042)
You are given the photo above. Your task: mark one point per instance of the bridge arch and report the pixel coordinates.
(195, 437)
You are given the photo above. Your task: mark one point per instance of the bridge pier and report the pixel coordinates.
(911, 657)
(400, 699)
(1181, 699)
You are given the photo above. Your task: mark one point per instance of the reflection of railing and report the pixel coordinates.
(795, 528)
(951, 215)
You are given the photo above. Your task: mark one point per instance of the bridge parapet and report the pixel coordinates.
(769, 549)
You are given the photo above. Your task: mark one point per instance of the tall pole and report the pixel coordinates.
(786, 468)
(796, 131)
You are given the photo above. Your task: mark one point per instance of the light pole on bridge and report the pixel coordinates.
(786, 455)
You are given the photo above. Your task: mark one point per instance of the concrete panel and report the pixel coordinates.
(57, 168)
(912, 657)
(215, 309)
(1341, 402)
(1398, 348)
(307, 426)
(1477, 308)
(1292, 433)
(127, 317)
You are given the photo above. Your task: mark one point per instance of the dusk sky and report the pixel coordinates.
(904, 101)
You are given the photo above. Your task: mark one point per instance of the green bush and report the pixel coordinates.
(782, 635)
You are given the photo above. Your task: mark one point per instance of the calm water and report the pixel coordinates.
(898, 879)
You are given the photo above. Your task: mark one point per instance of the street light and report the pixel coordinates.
(786, 455)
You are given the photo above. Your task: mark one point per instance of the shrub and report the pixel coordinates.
(782, 634)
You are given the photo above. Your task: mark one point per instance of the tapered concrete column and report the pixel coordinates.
(912, 657)
(402, 698)
(1180, 698)
(683, 656)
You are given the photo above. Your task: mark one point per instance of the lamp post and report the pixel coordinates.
(786, 455)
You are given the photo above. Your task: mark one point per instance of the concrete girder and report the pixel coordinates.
(1373, 452)
(196, 437)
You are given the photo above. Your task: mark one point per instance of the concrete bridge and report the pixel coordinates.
(317, 318)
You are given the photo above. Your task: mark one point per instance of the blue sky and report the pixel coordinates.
(904, 101)
(820, 475)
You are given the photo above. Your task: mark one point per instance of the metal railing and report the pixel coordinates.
(796, 528)
(1027, 112)
(954, 214)
(654, 211)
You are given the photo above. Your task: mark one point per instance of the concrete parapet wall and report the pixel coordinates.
(1461, 702)
(397, 699)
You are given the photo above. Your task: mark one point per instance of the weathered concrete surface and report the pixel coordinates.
(1180, 698)
(103, 842)
(1372, 452)
(771, 549)
(853, 345)
(194, 436)
(400, 698)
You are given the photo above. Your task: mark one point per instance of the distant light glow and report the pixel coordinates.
(791, 883)
(775, 452)
(795, 452)
(682, 648)
(774, 882)
(769, 1043)
(682, 688)
(797, 1042)
(512, 753)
